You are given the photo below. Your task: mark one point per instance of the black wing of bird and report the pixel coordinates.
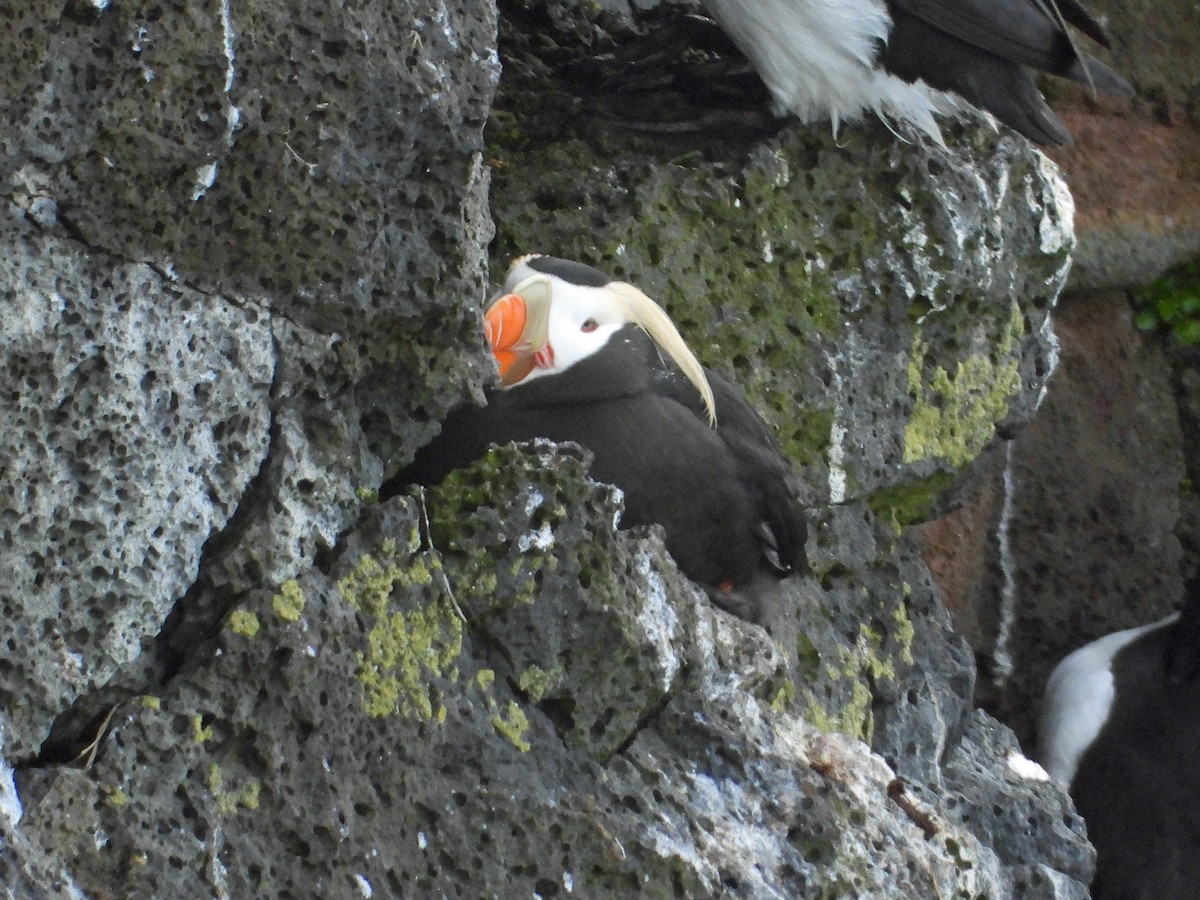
(466, 434)
(763, 467)
(979, 48)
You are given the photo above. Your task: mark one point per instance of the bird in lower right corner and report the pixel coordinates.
(840, 59)
(1121, 729)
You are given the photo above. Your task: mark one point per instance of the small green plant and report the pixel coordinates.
(1172, 304)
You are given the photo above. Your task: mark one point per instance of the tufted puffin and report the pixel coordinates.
(837, 59)
(587, 359)
(1121, 729)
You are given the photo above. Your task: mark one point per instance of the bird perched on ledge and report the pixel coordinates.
(838, 59)
(587, 359)
(1121, 728)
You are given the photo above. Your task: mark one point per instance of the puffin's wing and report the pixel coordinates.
(1029, 32)
(760, 461)
(465, 436)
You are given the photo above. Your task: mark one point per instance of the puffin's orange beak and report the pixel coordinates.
(503, 326)
(517, 325)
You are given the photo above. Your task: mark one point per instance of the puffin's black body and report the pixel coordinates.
(1138, 782)
(711, 489)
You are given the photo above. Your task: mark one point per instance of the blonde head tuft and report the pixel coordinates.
(653, 320)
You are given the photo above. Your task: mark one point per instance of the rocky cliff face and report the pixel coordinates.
(1085, 523)
(245, 255)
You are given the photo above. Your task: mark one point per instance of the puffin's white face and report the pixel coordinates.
(582, 320)
(543, 324)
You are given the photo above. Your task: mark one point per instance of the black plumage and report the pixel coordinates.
(841, 59)
(1137, 784)
(983, 50)
(721, 494)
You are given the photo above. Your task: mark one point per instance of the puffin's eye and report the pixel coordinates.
(589, 325)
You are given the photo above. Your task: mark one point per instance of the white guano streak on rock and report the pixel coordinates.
(1008, 585)
(837, 459)
(658, 619)
(1056, 229)
(533, 500)
(206, 177)
(837, 442)
(542, 539)
(233, 114)
(1050, 336)
(1024, 767)
(736, 832)
(218, 875)
(10, 802)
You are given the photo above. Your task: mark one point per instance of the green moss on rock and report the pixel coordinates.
(729, 255)
(900, 505)
(1172, 304)
(465, 520)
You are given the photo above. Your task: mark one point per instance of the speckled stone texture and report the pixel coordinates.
(215, 239)
(483, 689)
(487, 775)
(136, 413)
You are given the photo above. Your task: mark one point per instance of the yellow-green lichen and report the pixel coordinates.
(784, 695)
(955, 416)
(853, 718)
(510, 722)
(115, 797)
(229, 800)
(535, 680)
(244, 622)
(858, 668)
(406, 650)
(366, 494)
(289, 602)
(149, 701)
(200, 731)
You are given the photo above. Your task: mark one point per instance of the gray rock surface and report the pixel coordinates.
(213, 242)
(485, 689)
(137, 415)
